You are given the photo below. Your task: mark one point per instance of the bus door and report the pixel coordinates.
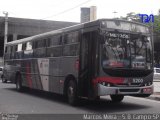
(87, 63)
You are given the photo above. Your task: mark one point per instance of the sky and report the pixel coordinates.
(69, 10)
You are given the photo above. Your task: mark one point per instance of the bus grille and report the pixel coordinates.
(129, 90)
(128, 85)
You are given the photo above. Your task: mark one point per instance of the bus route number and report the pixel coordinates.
(137, 80)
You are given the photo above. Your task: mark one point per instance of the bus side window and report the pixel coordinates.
(40, 48)
(48, 42)
(13, 51)
(55, 46)
(40, 43)
(71, 37)
(55, 40)
(18, 53)
(71, 44)
(28, 52)
(24, 46)
(29, 46)
(19, 47)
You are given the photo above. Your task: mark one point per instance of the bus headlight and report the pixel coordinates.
(108, 85)
(105, 84)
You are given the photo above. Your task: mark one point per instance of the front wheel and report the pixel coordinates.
(117, 98)
(19, 83)
(72, 93)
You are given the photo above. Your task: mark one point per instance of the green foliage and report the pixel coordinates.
(132, 16)
(135, 17)
(157, 24)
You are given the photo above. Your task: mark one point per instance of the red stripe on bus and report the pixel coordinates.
(28, 76)
(114, 80)
(77, 64)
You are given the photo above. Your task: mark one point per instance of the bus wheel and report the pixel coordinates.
(19, 83)
(117, 98)
(72, 93)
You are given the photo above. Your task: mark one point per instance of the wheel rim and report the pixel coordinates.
(70, 93)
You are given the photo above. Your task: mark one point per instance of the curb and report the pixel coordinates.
(155, 96)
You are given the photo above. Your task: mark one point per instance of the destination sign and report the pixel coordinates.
(118, 35)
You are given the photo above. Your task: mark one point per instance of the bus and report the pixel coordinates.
(98, 58)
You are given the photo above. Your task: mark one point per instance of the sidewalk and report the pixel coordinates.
(156, 95)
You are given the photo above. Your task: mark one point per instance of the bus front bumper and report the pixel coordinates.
(104, 90)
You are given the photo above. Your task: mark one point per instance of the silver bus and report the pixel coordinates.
(103, 57)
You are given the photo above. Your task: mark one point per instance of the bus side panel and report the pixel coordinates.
(68, 67)
(26, 73)
(43, 65)
(30, 74)
(54, 83)
(35, 75)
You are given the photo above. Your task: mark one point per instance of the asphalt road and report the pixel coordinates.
(35, 102)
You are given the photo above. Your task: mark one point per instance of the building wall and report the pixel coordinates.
(88, 14)
(19, 28)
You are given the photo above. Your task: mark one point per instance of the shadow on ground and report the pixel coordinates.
(105, 105)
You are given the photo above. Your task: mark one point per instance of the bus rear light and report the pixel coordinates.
(77, 64)
(103, 83)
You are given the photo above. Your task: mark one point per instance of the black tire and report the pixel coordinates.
(117, 98)
(72, 93)
(19, 86)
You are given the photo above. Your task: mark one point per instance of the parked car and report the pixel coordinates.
(2, 76)
(1, 72)
(157, 73)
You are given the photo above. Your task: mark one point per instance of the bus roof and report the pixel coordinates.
(66, 29)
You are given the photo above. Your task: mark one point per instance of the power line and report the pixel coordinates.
(67, 10)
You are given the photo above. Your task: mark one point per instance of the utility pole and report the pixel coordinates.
(5, 29)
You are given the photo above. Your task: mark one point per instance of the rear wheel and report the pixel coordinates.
(117, 98)
(19, 83)
(72, 93)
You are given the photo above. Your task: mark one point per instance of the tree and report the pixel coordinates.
(156, 25)
(132, 16)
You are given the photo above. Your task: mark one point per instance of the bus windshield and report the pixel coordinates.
(121, 50)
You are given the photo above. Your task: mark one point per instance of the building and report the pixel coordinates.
(19, 28)
(88, 14)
